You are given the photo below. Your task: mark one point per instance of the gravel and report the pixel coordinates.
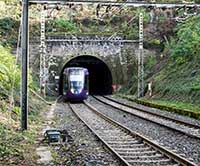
(82, 146)
(146, 115)
(179, 143)
(108, 131)
(162, 112)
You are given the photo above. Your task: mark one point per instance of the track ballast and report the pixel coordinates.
(130, 147)
(188, 129)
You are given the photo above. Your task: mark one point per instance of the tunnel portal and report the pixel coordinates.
(100, 77)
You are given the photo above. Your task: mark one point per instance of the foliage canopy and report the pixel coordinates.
(188, 33)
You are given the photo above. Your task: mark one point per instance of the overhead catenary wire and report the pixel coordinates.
(127, 24)
(113, 10)
(114, 34)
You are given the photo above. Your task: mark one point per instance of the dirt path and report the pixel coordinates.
(43, 150)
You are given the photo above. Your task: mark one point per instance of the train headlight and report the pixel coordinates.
(76, 92)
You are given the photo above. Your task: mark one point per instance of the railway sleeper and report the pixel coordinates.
(127, 137)
(112, 140)
(164, 161)
(102, 127)
(110, 134)
(145, 157)
(127, 108)
(110, 131)
(123, 142)
(149, 152)
(133, 150)
(128, 146)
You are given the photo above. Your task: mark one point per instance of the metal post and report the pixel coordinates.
(140, 59)
(24, 72)
(43, 63)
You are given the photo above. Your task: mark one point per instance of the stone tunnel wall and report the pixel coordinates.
(59, 53)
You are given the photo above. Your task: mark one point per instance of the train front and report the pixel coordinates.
(77, 84)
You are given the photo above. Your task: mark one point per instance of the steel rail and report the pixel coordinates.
(156, 114)
(150, 120)
(109, 147)
(112, 3)
(171, 155)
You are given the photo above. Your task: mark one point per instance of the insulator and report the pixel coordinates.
(58, 7)
(70, 5)
(108, 8)
(45, 7)
(97, 10)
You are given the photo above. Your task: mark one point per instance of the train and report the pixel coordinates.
(75, 84)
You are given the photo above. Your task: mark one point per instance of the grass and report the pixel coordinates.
(181, 108)
(178, 82)
(176, 104)
(17, 147)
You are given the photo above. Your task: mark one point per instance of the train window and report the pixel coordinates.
(76, 72)
(76, 86)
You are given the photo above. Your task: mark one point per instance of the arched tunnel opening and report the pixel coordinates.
(100, 77)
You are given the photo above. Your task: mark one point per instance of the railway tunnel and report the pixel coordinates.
(100, 77)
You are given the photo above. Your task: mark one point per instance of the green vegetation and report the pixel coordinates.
(10, 153)
(151, 61)
(10, 14)
(14, 144)
(8, 31)
(176, 104)
(190, 110)
(175, 76)
(17, 147)
(61, 25)
(9, 73)
(177, 82)
(186, 109)
(180, 79)
(188, 34)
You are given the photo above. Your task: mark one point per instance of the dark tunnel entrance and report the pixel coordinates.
(100, 77)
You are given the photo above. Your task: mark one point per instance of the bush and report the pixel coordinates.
(188, 34)
(7, 24)
(8, 31)
(9, 72)
(61, 25)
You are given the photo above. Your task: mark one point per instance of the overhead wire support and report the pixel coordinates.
(115, 3)
(141, 58)
(43, 63)
(26, 3)
(24, 61)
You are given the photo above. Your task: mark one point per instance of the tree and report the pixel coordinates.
(188, 34)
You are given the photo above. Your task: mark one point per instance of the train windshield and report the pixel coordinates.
(76, 72)
(76, 81)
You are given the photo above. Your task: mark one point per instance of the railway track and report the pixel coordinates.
(188, 129)
(130, 147)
